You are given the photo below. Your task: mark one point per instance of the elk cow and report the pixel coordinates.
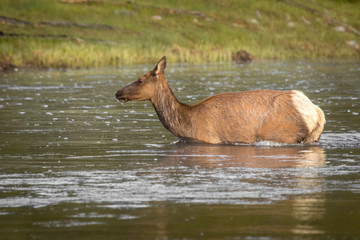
(239, 117)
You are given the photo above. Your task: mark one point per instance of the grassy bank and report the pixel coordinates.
(73, 33)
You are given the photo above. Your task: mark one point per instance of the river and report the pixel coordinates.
(77, 164)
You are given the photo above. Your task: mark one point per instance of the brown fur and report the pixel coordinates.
(280, 116)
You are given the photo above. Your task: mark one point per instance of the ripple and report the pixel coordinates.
(340, 140)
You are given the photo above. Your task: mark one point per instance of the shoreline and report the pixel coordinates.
(88, 33)
(12, 68)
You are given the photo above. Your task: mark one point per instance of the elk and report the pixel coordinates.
(229, 118)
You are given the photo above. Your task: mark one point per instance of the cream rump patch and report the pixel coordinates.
(306, 109)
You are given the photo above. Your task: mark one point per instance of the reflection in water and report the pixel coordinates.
(258, 156)
(182, 173)
(305, 209)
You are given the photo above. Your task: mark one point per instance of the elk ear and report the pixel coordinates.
(160, 66)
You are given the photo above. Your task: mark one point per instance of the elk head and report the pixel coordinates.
(144, 87)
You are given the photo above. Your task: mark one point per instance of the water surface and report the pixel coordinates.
(75, 163)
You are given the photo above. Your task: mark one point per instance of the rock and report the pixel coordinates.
(354, 44)
(254, 21)
(242, 56)
(124, 12)
(7, 67)
(156, 18)
(306, 21)
(291, 24)
(340, 29)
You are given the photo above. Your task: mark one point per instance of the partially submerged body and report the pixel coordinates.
(242, 117)
(257, 115)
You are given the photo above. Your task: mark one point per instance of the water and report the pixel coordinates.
(77, 164)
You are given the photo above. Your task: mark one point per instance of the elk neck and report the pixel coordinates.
(174, 115)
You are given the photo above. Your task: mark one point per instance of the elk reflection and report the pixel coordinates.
(254, 156)
(294, 167)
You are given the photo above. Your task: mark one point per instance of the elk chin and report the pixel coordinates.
(123, 99)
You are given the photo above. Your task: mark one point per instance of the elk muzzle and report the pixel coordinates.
(120, 96)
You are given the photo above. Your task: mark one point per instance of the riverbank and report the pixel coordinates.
(94, 33)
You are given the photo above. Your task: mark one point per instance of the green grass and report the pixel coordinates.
(266, 29)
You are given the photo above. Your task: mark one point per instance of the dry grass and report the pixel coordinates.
(186, 31)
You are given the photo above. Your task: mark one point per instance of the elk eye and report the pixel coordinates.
(139, 81)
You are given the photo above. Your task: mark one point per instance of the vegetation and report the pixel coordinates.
(92, 33)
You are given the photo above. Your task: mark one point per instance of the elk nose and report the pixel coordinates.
(117, 94)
